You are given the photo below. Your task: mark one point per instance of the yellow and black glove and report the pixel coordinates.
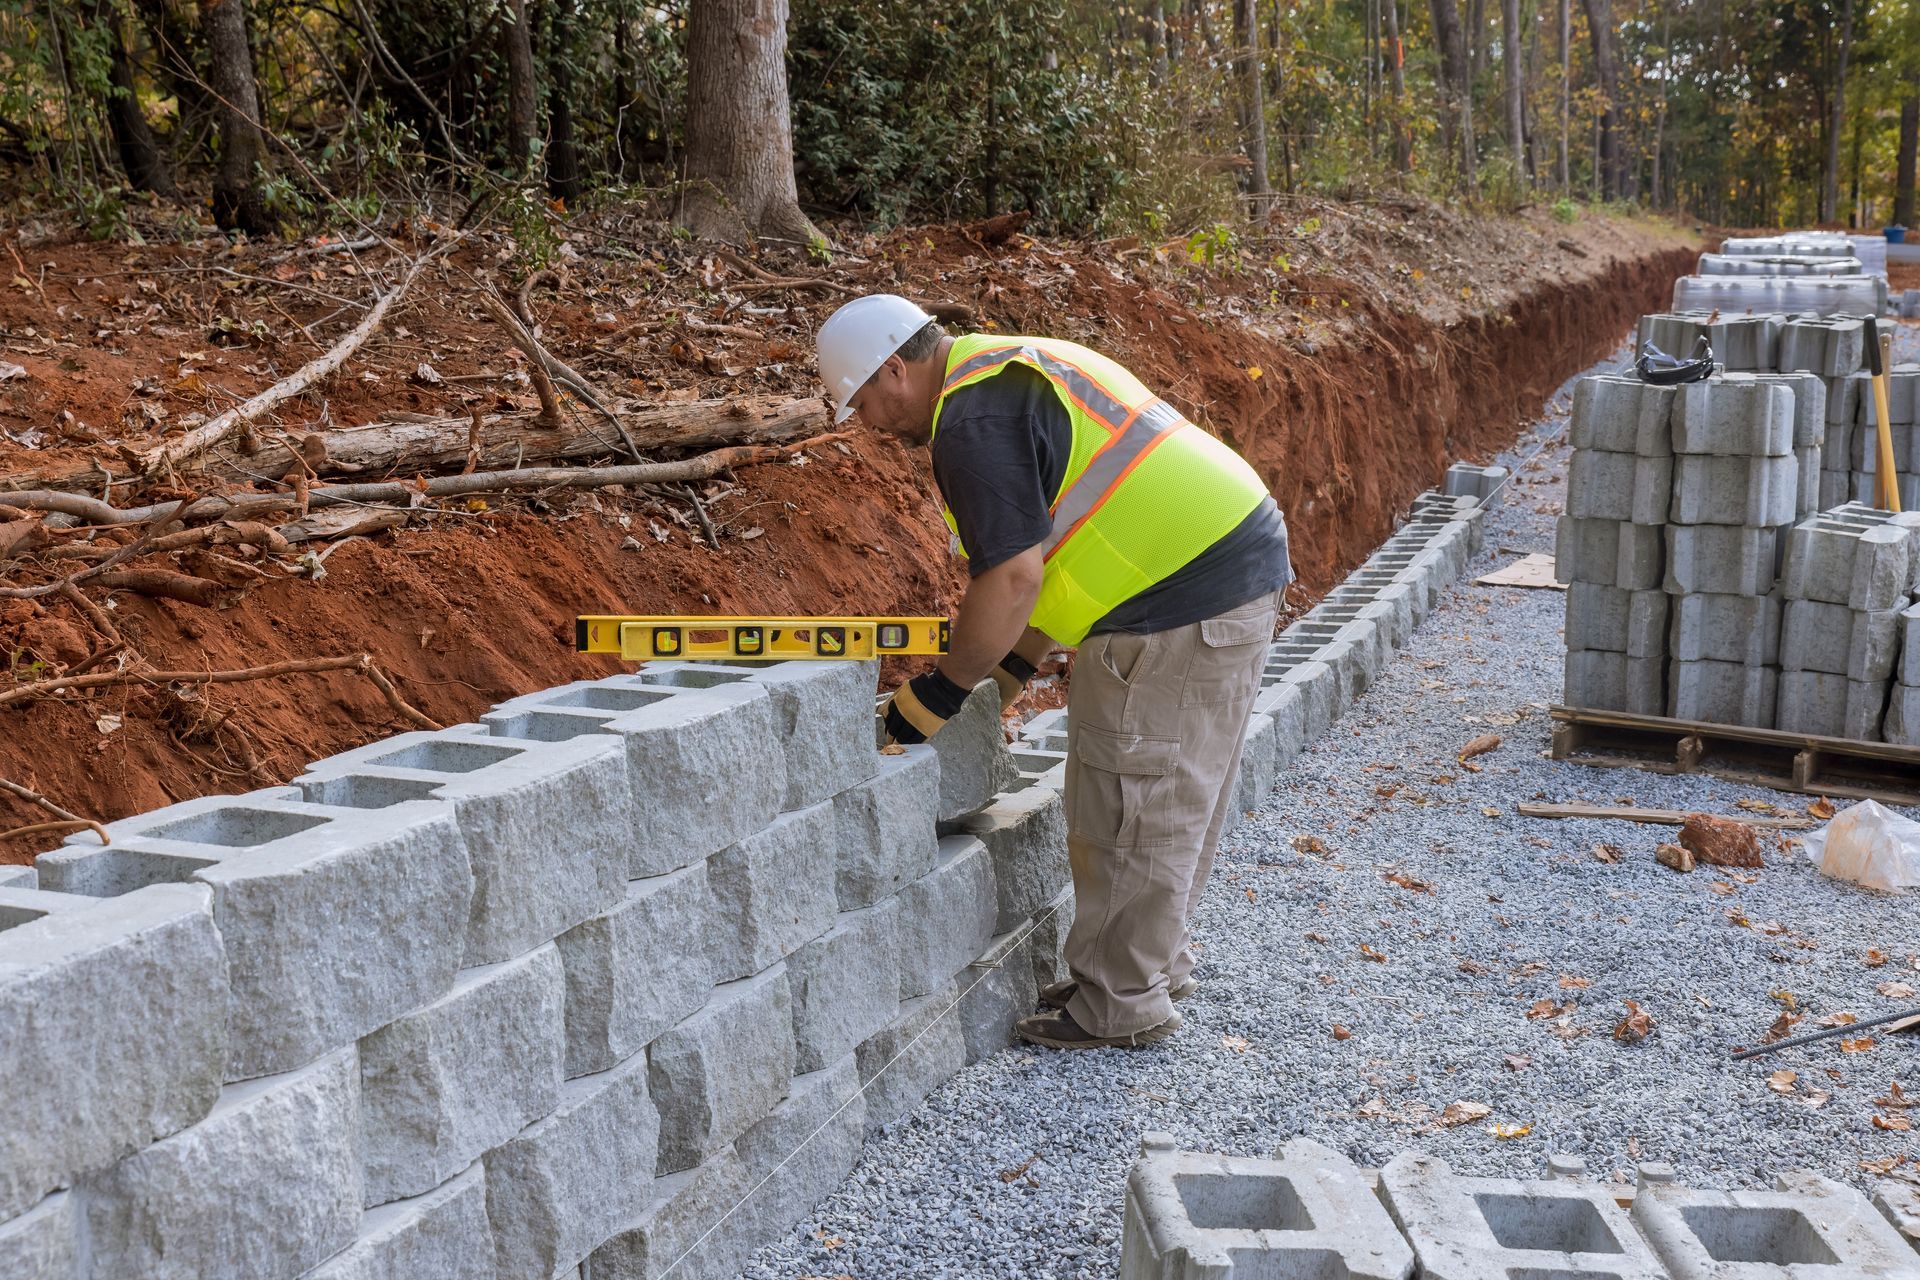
(1012, 675)
(920, 706)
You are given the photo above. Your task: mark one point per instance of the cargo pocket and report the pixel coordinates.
(1121, 786)
(1224, 663)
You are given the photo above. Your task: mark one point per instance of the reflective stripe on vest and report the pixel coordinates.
(1118, 425)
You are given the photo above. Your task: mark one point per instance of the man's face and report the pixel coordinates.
(892, 402)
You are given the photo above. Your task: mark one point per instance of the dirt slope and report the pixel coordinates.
(1351, 356)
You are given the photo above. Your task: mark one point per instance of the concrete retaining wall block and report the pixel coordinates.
(1734, 418)
(1619, 486)
(1721, 559)
(946, 916)
(1048, 942)
(1861, 644)
(1629, 622)
(638, 969)
(1604, 681)
(86, 988)
(700, 765)
(974, 763)
(1899, 1204)
(1204, 1217)
(1609, 553)
(885, 828)
(845, 984)
(334, 919)
(722, 1069)
(1465, 479)
(1025, 835)
(1758, 492)
(1843, 563)
(1723, 692)
(443, 1085)
(1502, 1228)
(546, 824)
(691, 1227)
(267, 1186)
(914, 1063)
(551, 1193)
(42, 1243)
(996, 990)
(775, 890)
(823, 714)
(1737, 629)
(1811, 1228)
(817, 1132)
(441, 1233)
(1618, 413)
(1824, 703)
(1255, 774)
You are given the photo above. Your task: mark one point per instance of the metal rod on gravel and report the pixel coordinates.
(1811, 1036)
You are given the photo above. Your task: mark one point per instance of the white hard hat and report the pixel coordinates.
(857, 339)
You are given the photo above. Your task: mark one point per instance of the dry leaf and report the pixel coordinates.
(1405, 881)
(1503, 1131)
(1754, 806)
(1783, 1081)
(1309, 844)
(1609, 852)
(1463, 1112)
(1371, 1108)
(1250, 895)
(1635, 1026)
(1489, 811)
(1781, 1026)
(1478, 747)
(1341, 1033)
(1861, 1045)
(1874, 958)
(1813, 1099)
(1784, 997)
(1841, 1019)
(1239, 1044)
(1318, 937)
(1896, 1099)
(1881, 1168)
(1895, 990)
(107, 723)
(1570, 983)
(893, 749)
(1721, 887)
(1821, 809)
(1378, 957)
(1893, 1124)
(1518, 1061)
(1546, 1009)
(1473, 967)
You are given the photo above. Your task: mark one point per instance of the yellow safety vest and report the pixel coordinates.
(1145, 490)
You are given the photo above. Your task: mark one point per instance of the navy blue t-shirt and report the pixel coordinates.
(999, 457)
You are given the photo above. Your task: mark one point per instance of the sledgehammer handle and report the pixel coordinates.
(1879, 354)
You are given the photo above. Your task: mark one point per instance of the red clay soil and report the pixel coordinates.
(1348, 395)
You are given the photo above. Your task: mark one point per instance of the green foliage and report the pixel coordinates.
(1565, 210)
(1212, 246)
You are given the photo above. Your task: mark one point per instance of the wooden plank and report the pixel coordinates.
(1845, 747)
(1661, 817)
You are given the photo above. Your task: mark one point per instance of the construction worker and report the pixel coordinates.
(1092, 514)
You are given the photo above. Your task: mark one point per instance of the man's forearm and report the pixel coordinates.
(993, 618)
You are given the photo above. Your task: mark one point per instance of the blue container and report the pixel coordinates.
(1895, 235)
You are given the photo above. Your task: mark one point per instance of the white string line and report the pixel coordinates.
(986, 970)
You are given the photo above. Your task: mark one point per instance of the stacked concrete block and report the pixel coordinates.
(442, 1232)
(1191, 1216)
(1831, 346)
(717, 1073)
(1608, 543)
(1902, 724)
(1848, 574)
(1899, 1204)
(546, 824)
(1470, 1228)
(1025, 836)
(775, 890)
(1821, 295)
(43, 1243)
(947, 916)
(1754, 264)
(268, 1184)
(908, 1058)
(295, 886)
(444, 1085)
(1463, 479)
(885, 828)
(1808, 1227)
(1796, 244)
(1903, 432)
(1744, 343)
(845, 984)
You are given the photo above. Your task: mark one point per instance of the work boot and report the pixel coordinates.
(1058, 1030)
(1057, 995)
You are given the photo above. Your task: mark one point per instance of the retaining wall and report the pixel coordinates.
(612, 984)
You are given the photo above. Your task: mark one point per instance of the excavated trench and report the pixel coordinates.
(471, 611)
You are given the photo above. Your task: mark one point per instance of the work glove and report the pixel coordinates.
(919, 707)
(1012, 675)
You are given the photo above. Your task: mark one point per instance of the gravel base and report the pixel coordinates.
(1017, 1166)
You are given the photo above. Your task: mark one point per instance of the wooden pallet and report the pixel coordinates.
(1802, 762)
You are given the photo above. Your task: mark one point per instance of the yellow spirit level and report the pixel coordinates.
(638, 638)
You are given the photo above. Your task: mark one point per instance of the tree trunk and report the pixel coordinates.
(147, 168)
(1402, 144)
(1830, 172)
(1157, 43)
(1566, 92)
(1253, 106)
(236, 190)
(739, 157)
(1607, 160)
(563, 155)
(1456, 109)
(1903, 185)
(1476, 35)
(1512, 42)
(516, 45)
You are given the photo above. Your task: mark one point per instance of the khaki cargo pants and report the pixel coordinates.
(1155, 727)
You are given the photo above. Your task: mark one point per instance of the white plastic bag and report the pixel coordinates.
(1870, 845)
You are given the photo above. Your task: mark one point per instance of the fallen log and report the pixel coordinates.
(515, 439)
